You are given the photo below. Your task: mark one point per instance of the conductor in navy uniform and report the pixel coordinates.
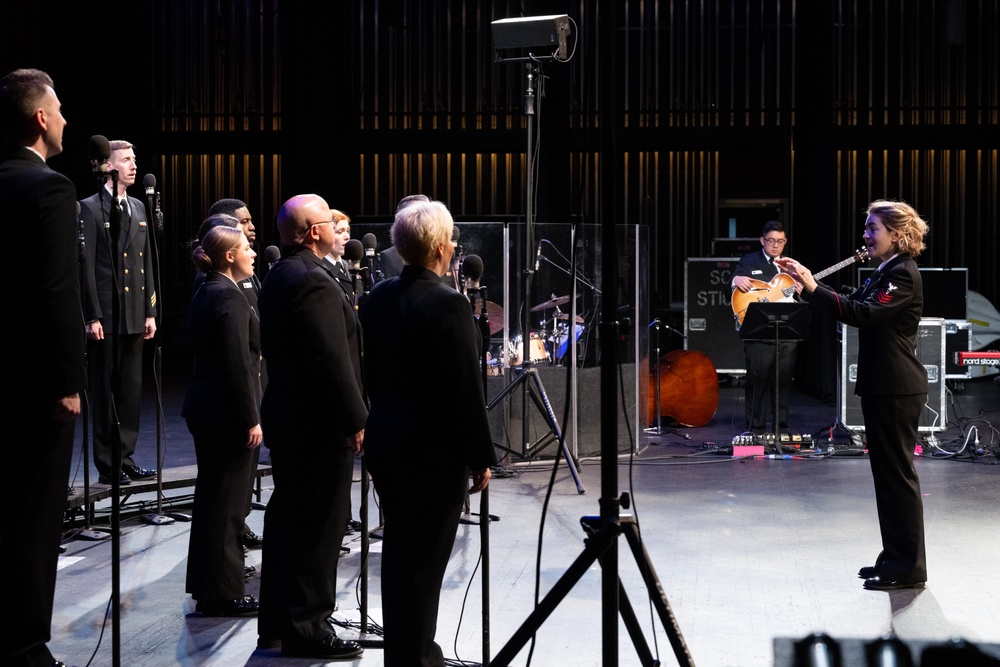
(892, 382)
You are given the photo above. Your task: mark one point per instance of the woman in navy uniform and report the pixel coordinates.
(412, 315)
(222, 409)
(892, 383)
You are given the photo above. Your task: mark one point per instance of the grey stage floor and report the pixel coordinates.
(750, 554)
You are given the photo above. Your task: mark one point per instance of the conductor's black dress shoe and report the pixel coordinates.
(868, 571)
(122, 479)
(880, 584)
(135, 472)
(328, 648)
(245, 606)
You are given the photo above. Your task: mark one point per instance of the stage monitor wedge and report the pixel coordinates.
(531, 38)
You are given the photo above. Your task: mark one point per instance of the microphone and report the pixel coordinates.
(271, 255)
(353, 252)
(370, 243)
(99, 152)
(472, 267)
(149, 184)
(538, 255)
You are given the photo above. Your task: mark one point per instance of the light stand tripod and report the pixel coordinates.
(604, 530)
(527, 378)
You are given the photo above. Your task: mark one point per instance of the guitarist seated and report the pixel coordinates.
(757, 278)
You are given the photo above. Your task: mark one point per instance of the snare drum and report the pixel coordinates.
(536, 347)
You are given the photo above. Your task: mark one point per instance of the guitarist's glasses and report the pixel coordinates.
(775, 241)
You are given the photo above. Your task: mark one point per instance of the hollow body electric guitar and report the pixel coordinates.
(782, 287)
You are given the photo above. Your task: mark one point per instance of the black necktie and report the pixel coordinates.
(126, 218)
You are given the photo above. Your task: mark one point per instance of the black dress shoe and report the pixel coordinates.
(252, 540)
(268, 642)
(249, 571)
(879, 584)
(328, 648)
(135, 472)
(122, 479)
(868, 572)
(245, 606)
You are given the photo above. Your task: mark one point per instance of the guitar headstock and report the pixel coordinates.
(861, 255)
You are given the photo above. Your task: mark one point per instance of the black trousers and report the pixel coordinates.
(304, 523)
(37, 497)
(416, 547)
(215, 552)
(129, 403)
(760, 361)
(891, 428)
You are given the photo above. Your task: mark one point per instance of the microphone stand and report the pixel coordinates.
(87, 532)
(657, 429)
(484, 498)
(112, 229)
(158, 519)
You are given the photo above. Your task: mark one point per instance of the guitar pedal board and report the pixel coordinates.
(792, 440)
(757, 445)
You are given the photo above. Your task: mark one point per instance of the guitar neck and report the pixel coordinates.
(836, 267)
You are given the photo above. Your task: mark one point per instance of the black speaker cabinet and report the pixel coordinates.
(930, 352)
(957, 338)
(709, 323)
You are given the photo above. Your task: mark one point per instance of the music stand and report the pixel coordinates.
(775, 322)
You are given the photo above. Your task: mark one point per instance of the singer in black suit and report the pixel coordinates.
(892, 383)
(342, 236)
(222, 410)
(760, 355)
(232, 211)
(314, 415)
(409, 317)
(389, 261)
(114, 219)
(43, 202)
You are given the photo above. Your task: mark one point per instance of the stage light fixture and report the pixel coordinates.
(531, 38)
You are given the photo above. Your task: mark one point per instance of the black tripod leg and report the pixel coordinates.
(542, 402)
(659, 600)
(596, 545)
(634, 630)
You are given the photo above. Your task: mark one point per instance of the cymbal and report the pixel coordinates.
(494, 314)
(551, 303)
(565, 316)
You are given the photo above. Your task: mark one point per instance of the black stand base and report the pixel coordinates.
(601, 538)
(530, 382)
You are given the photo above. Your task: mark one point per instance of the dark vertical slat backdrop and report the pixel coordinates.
(824, 104)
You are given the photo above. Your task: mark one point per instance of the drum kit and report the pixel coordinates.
(548, 345)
